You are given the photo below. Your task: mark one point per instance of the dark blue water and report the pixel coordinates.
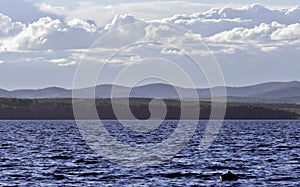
(53, 153)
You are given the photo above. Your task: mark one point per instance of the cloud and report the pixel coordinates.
(217, 20)
(48, 57)
(121, 20)
(59, 60)
(269, 49)
(226, 30)
(204, 19)
(24, 11)
(290, 32)
(50, 41)
(67, 64)
(8, 27)
(54, 34)
(35, 35)
(84, 25)
(260, 33)
(155, 10)
(49, 9)
(254, 23)
(265, 37)
(173, 51)
(69, 40)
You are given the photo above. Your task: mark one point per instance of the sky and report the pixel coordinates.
(43, 42)
(73, 3)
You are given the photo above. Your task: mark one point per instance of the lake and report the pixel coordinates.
(53, 153)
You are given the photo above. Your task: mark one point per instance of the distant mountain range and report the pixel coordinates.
(273, 92)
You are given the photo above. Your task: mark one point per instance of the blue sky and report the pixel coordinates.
(41, 43)
(73, 3)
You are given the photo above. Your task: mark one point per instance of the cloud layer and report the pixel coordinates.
(253, 22)
(54, 36)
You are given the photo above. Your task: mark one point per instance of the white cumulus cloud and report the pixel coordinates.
(254, 29)
(217, 20)
(8, 27)
(260, 33)
(54, 34)
(289, 32)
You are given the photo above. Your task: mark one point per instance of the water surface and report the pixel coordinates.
(53, 153)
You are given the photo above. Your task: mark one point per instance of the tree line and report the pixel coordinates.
(62, 109)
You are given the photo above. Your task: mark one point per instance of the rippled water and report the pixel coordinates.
(53, 153)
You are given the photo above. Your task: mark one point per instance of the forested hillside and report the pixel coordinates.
(20, 109)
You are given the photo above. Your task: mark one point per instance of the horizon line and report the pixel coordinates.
(157, 83)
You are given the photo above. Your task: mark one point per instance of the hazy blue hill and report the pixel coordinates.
(295, 100)
(104, 91)
(277, 92)
(51, 92)
(156, 90)
(260, 89)
(284, 92)
(4, 93)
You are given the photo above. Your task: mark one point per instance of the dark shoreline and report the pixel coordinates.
(61, 109)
